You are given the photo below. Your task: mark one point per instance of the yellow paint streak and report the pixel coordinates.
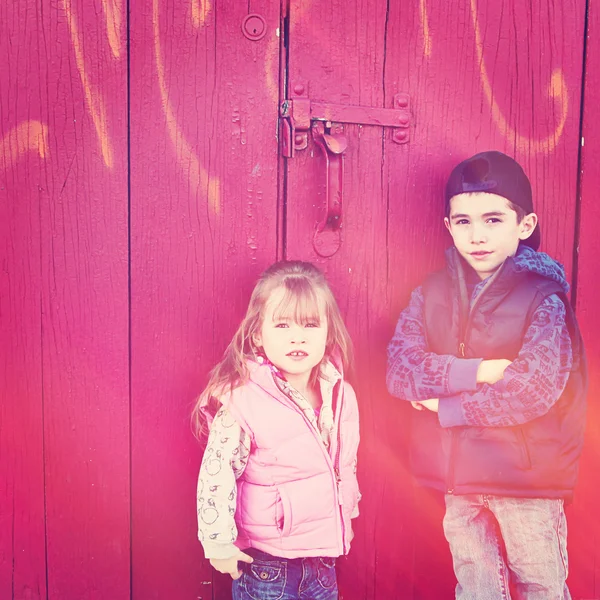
(93, 99)
(272, 69)
(200, 10)
(425, 28)
(29, 136)
(300, 9)
(113, 13)
(198, 176)
(557, 91)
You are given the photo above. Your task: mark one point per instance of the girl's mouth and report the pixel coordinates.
(297, 354)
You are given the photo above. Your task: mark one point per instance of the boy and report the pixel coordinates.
(489, 351)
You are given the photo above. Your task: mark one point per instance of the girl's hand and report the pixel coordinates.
(230, 565)
(432, 404)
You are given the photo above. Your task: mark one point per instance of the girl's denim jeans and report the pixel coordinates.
(273, 578)
(507, 548)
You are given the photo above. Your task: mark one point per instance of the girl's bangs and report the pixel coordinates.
(299, 303)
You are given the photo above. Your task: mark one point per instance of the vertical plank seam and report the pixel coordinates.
(580, 152)
(42, 382)
(43, 400)
(129, 333)
(383, 133)
(284, 44)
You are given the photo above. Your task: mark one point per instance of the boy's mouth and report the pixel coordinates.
(480, 253)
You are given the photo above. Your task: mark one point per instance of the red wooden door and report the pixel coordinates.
(64, 415)
(204, 216)
(477, 79)
(142, 190)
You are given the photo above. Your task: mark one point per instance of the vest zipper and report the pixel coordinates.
(466, 330)
(334, 462)
(462, 353)
(336, 470)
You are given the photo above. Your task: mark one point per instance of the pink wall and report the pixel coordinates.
(142, 190)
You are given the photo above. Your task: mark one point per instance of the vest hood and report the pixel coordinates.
(540, 263)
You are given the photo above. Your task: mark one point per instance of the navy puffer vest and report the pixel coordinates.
(538, 459)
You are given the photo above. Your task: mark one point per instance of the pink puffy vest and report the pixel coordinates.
(295, 497)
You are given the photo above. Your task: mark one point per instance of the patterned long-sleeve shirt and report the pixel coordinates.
(531, 384)
(225, 459)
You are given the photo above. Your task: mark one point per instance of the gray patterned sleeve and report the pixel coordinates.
(415, 373)
(223, 463)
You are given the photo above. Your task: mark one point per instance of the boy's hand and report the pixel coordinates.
(491, 371)
(432, 404)
(230, 565)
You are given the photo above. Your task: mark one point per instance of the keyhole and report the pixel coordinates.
(254, 27)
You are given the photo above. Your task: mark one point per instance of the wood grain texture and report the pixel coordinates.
(515, 49)
(341, 54)
(584, 527)
(211, 206)
(84, 270)
(204, 216)
(481, 76)
(22, 526)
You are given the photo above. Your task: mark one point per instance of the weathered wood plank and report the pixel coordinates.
(484, 75)
(584, 527)
(339, 50)
(23, 152)
(84, 230)
(204, 216)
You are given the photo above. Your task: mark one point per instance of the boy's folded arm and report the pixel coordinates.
(223, 463)
(531, 384)
(414, 373)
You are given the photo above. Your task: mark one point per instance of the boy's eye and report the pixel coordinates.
(494, 220)
(462, 222)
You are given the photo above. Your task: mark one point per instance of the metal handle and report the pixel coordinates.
(327, 237)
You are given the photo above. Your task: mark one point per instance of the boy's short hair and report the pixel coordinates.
(495, 173)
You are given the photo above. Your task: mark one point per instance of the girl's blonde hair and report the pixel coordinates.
(301, 282)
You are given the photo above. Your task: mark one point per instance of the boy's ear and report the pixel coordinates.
(527, 226)
(447, 223)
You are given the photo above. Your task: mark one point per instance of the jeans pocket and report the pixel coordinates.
(265, 580)
(326, 572)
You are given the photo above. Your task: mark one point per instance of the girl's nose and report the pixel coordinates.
(298, 335)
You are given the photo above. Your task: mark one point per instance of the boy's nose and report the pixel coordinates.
(478, 235)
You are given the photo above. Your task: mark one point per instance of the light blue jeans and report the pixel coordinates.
(273, 578)
(507, 548)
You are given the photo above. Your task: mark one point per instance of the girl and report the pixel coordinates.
(277, 486)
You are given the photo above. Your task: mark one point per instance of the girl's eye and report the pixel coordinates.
(281, 325)
(312, 325)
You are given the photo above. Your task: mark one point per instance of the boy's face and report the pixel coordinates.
(485, 230)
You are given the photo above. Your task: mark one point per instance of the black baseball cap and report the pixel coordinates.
(496, 173)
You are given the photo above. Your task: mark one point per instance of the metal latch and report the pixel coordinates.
(301, 115)
(298, 112)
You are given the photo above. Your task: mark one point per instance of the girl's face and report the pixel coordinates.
(294, 348)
